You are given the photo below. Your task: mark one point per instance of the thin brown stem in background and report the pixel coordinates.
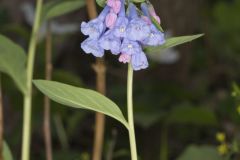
(1, 121)
(48, 76)
(100, 70)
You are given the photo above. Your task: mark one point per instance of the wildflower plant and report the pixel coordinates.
(126, 31)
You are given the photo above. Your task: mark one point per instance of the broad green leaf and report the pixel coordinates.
(7, 155)
(59, 8)
(66, 77)
(194, 152)
(172, 42)
(80, 98)
(101, 3)
(13, 61)
(191, 115)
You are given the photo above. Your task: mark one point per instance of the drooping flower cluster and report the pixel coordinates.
(123, 34)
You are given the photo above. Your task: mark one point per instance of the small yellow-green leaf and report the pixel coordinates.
(80, 98)
(13, 61)
(236, 90)
(101, 3)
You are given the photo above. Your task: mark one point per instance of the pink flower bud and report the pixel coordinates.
(157, 18)
(110, 3)
(115, 5)
(110, 20)
(153, 13)
(124, 58)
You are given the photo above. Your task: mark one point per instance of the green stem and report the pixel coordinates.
(1, 120)
(61, 132)
(28, 94)
(164, 144)
(131, 129)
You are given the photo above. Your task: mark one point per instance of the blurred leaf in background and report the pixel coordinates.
(194, 152)
(13, 61)
(187, 114)
(226, 27)
(58, 8)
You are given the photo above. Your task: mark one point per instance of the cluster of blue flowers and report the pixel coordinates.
(123, 34)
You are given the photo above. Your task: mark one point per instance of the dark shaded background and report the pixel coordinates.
(165, 95)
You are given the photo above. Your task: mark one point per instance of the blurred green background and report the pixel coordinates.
(181, 101)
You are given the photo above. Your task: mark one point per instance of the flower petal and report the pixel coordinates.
(93, 29)
(154, 38)
(121, 27)
(92, 46)
(139, 61)
(109, 42)
(138, 30)
(130, 47)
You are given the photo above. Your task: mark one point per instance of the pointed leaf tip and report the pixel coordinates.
(173, 42)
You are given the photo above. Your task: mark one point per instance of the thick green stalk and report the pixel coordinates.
(28, 95)
(131, 129)
(1, 121)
